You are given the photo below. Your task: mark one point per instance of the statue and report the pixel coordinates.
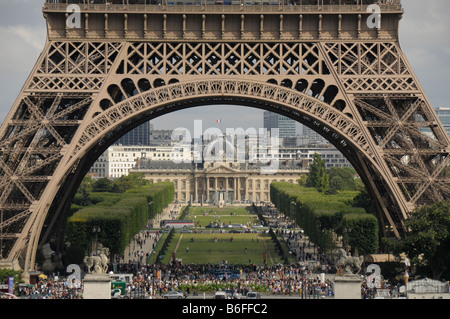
(98, 263)
(350, 265)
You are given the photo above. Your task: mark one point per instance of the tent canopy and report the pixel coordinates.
(380, 258)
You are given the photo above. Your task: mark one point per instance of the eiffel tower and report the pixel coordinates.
(109, 66)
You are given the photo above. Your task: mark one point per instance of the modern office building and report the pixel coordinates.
(444, 115)
(287, 128)
(138, 136)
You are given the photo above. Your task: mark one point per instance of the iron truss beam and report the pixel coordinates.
(351, 84)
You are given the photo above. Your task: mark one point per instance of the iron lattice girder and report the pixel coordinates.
(84, 92)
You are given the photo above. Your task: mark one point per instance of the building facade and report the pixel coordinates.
(305, 155)
(287, 128)
(118, 160)
(219, 183)
(444, 115)
(138, 136)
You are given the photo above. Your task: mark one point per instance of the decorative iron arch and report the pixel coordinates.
(108, 126)
(91, 85)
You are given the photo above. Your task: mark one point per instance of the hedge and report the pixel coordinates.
(321, 215)
(119, 216)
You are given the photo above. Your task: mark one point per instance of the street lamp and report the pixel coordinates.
(293, 214)
(406, 278)
(95, 230)
(345, 242)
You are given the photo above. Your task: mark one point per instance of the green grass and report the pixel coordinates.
(213, 248)
(206, 250)
(221, 211)
(203, 216)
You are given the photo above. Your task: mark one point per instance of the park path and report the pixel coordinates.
(147, 247)
(267, 250)
(178, 244)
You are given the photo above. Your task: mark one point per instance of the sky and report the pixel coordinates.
(424, 36)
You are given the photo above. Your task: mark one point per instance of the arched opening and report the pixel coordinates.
(129, 87)
(144, 85)
(159, 83)
(116, 93)
(301, 85)
(317, 88)
(349, 147)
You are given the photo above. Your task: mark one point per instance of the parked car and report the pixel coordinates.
(174, 295)
(233, 294)
(220, 295)
(253, 295)
(4, 295)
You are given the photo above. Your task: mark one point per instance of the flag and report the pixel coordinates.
(407, 262)
(219, 121)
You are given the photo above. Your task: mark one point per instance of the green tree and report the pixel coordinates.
(102, 185)
(336, 184)
(124, 183)
(364, 200)
(427, 241)
(6, 273)
(302, 180)
(318, 177)
(344, 178)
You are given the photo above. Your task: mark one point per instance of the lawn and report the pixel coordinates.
(237, 249)
(203, 216)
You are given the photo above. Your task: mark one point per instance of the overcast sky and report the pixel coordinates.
(424, 36)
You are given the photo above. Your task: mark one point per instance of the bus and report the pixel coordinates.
(177, 224)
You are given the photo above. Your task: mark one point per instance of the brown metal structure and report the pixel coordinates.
(128, 63)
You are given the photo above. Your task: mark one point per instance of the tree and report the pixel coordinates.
(302, 180)
(336, 184)
(364, 200)
(124, 183)
(102, 185)
(318, 177)
(344, 178)
(427, 241)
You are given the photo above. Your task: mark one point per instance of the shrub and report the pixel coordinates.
(119, 216)
(320, 215)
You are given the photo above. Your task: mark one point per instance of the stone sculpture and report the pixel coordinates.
(349, 264)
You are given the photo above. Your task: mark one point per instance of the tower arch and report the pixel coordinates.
(127, 64)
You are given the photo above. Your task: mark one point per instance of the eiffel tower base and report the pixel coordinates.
(97, 286)
(347, 287)
(14, 265)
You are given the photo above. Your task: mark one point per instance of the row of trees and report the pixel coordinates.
(119, 215)
(332, 180)
(322, 216)
(426, 240)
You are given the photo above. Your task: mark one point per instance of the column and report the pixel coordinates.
(235, 189)
(207, 189)
(238, 186)
(215, 190)
(226, 190)
(246, 187)
(195, 190)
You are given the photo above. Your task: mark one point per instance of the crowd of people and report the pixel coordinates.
(306, 278)
(52, 287)
(157, 279)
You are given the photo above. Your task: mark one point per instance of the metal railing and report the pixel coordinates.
(226, 5)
